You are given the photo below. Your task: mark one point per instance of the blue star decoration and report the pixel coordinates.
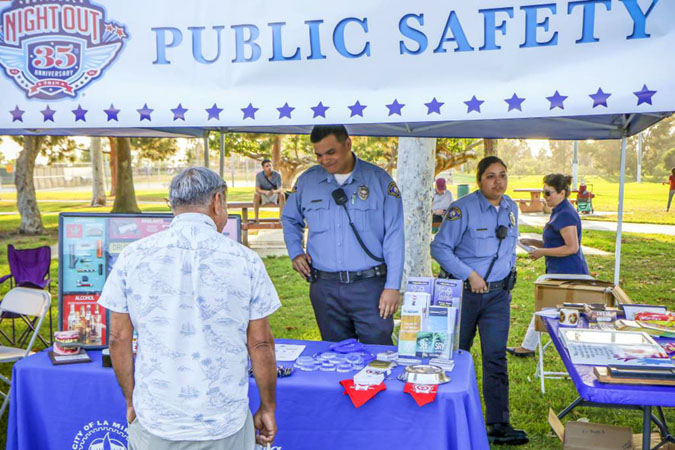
(473, 104)
(434, 106)
(395, 107)
(179, 112)
(214, 112)
(644, 95)
(285, 111)
(515, 102)
(600, 98)
(319, 110)
(80, 113)
(48, 114)
(17, 114)
(557, 100)
(357, 109)
(112, 113)
(249, 111)
(145, 112)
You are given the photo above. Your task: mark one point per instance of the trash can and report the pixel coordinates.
(462, 190)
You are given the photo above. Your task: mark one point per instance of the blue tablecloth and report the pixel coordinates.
(74, 406)
(592, 390)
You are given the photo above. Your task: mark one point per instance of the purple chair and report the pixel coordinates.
(28, 268)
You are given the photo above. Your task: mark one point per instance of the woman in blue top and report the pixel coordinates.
(561, 245)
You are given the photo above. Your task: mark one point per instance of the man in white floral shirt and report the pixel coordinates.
(199, 303)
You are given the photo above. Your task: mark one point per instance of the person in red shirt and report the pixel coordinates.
(671, 180)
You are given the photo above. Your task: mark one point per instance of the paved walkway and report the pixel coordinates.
(539, 220)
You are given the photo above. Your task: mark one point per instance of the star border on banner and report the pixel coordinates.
(112, 113)
(48, 114)
(395, 107)
(80, 113)
(357, 109)
(319, 110)
(213, 112)
(515, 102)
(600, 98)
(644, 95)
(557, 101)
(249, 111)
(473, 105)
(434, 106)
(17, 114)
(285, 111)
(179, 112)
(145, 113)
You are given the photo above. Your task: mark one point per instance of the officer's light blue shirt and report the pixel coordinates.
(374, 204)
(467, 240)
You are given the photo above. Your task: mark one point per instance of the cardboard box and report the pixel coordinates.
(549, 293)
(586, 435)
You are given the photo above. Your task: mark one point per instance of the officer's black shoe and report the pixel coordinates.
(505, 434)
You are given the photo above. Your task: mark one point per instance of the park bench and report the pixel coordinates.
(247, 224)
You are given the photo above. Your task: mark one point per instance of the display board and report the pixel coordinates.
(89, 244)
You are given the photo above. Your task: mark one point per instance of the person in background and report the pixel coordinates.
(442, 200)
(268, 189)
(671, 193)
(561, 245)
(199, 303)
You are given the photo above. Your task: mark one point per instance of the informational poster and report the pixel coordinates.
(89, 245)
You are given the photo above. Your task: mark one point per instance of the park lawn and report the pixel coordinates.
(645, 278)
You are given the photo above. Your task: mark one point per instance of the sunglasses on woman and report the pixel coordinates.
(547, 193)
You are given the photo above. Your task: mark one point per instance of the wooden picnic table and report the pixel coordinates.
(535, 204)
(246, 224)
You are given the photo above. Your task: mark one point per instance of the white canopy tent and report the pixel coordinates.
(567, 69)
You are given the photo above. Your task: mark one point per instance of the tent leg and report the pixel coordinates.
(575, 166)
(617, 251)
(206, 150)
(221, 169)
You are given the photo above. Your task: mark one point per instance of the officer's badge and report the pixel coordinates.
(512, 218)
(392, 189)
(454, 214)
(363, 192)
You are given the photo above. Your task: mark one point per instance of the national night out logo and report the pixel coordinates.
(53, 48)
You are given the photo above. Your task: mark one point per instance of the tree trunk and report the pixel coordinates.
(113, 166)
(416, 162)
(125, 195)
(31, 221)
(97, 173)
(276, 151)
(490, 146)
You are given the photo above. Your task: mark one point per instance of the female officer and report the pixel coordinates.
(477, 243)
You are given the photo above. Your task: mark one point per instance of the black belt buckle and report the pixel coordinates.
(344, 277)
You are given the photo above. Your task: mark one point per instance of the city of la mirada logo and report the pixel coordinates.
(52, 49)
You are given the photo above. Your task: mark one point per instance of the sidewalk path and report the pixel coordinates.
(539, 220)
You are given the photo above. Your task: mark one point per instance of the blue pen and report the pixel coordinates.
(353, 198)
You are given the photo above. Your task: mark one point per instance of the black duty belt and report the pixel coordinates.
(350, 277)
(492, 285)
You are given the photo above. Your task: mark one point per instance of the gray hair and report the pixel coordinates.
(195, 186)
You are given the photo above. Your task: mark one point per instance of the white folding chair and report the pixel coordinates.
(27, 302)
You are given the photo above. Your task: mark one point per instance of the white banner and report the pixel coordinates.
(208, 63)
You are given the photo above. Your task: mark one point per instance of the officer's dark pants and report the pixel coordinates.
(491, 314)
(350, 310)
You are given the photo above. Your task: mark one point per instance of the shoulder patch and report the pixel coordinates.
(454, 213)
(392, 189)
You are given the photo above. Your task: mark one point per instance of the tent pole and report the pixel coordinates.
(575, 166)
(639, 159)
(617, 251)
(221, 168)
(206, 149)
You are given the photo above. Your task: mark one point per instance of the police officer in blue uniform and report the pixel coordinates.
(477, 243)
(355, 246)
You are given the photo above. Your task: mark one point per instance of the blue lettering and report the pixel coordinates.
(339, 37)
(532, 24)
(458, 36)
(588, 27)
(277, 47)
(314, 39)
(491, 27)
(639, 18)
(162, 45)
(241, 42)
(197, 44)
(412, 33)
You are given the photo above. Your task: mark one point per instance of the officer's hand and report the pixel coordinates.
(301, 264)
(389, 302)
(478, 284)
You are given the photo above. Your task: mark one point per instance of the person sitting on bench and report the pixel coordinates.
(442, 200)
(268, 189)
